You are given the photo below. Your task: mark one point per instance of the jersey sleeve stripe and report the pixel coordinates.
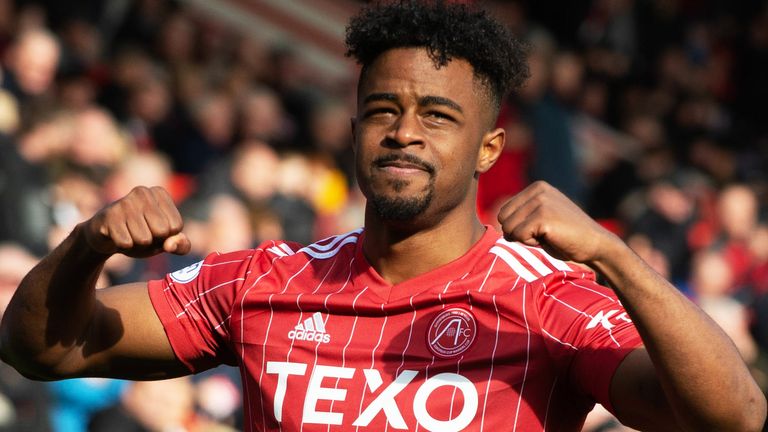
(556, 263)
(505, 255)
(325, 255)
(529, 257)
(336, 239)
(277, 251)
(286, 248)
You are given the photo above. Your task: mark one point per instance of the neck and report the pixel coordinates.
(400, 252)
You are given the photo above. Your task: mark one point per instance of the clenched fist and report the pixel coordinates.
(141, 224)
(541, 215)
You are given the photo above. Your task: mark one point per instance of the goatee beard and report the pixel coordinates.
(399, 209)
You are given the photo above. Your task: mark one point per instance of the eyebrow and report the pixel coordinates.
(438, 100)
(423, 101)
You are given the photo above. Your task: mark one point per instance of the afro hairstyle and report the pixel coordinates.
(446, 30)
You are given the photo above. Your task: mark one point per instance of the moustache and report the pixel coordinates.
(405, 158)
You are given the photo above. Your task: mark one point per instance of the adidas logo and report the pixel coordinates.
(312, 329)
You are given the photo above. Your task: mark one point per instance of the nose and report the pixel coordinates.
(405, 131)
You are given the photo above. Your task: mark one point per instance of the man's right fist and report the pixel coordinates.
(141, 224)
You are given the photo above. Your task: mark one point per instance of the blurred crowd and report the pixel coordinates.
(645, 112)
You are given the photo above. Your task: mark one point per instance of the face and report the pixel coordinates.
(422, 135)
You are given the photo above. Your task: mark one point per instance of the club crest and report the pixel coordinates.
(451, 332)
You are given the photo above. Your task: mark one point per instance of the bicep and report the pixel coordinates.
(125, 339)
(637, 397)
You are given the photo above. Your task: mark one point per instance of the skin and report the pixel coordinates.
(408, 109)
(689, 376)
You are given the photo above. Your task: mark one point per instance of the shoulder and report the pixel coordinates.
(321, 249)
(286, 255)
(533, 264)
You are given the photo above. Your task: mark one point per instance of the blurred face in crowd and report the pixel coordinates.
(737, 210)
(262, 115)
(150, 100)
(711, 275)
(34, 59)
(254, 171)
(177, 40)
(215, 117)
(421, 135)
(47, 139)
(161, 405)
(97, 141)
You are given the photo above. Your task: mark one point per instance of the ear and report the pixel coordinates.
(490, 150)
(353, 129)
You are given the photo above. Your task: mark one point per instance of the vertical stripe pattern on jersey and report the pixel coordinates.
(242, 346)
(266, 339)
(493, 357)
(373, 363)
(549, 402)
(344, 351)
(527, 361)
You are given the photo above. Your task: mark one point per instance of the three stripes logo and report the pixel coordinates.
(312, 329)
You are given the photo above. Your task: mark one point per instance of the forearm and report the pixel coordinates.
(52, 309)
(704, 379)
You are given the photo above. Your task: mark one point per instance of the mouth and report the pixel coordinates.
(403, 164)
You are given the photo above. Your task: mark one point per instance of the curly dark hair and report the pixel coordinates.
(446, 30)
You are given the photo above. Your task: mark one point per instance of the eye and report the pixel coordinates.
(439, 117)
(379, 112)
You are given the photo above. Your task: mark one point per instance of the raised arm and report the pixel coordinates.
(689, 376)
(58, 325)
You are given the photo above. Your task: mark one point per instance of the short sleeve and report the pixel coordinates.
(587, 330)
(194, 305)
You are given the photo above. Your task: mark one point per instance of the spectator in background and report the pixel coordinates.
(554, 159)
(262, 117)
(292, 202)
(737, 213)
(712, 282)
(9, 114)
(329, 128)
(253, 172)
(25, 179)
(74, 401)
(22, 402)
(666, 219)
(211, 134)
(154, 120)
(30, 65)
(97, 142)
(149, 406)
(127, 70)
(614, 119)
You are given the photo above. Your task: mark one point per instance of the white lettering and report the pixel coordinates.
(283, 369)
(467, 412)
(304, 335)
(602, 319)
(386, 399)
(316, 392)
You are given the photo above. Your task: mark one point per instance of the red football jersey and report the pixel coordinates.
(503, 338)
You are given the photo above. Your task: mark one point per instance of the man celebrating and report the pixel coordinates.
(423, 320)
